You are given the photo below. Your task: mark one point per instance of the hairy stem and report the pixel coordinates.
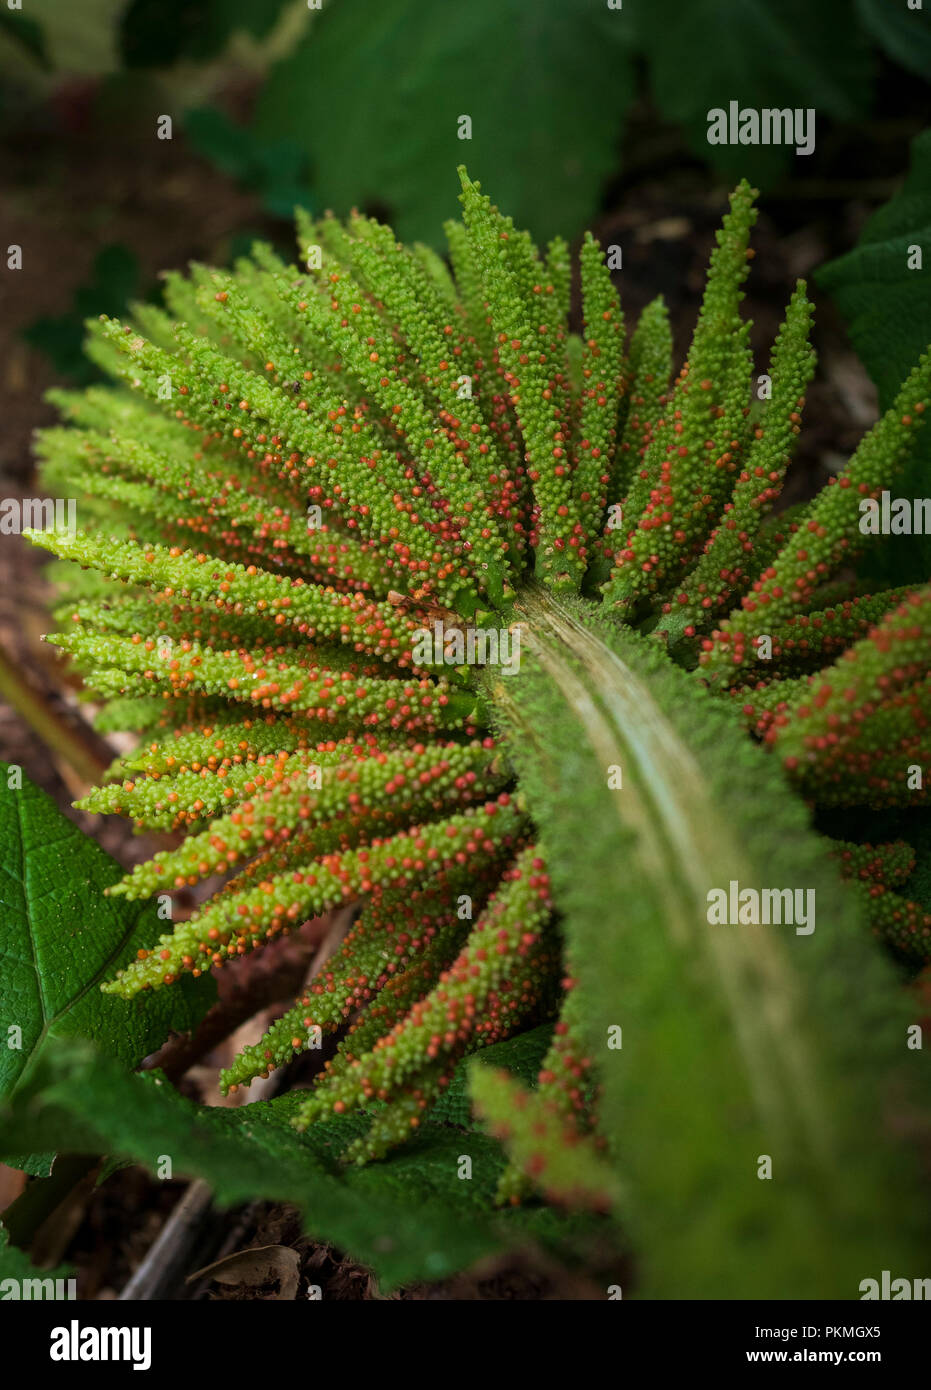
(739, 1042)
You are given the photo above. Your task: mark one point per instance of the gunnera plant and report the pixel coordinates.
(421, 601)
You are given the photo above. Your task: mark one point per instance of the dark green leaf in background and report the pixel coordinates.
(887, 307)
(795, 53)
(28, 33)
(903, 32)
(114, 282)
(276, 169)
(374, 93)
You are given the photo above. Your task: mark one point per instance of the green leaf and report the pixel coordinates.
(40, 1199)
(888, 311)
(522, 1055)
(14, 1264)
(227, 145)
(28, 33)
(376, 93)
(411, 1217)
(36, 1165)
(277, 169)
(886, 305)
(795, 54)
(114, 282)
(61, 938)
(904, 33)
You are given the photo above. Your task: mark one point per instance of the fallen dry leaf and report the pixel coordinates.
(253, 1269)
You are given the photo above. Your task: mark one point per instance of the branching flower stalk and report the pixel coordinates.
(302, 469)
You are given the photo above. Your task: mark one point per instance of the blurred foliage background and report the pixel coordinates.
(574, 104)
(342, 103)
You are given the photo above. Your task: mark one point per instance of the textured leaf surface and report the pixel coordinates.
(38, 1165)
(411, 1217)
(888, 311)
(521, 1055)
(888, 306)
(60, 938)
(544, 84)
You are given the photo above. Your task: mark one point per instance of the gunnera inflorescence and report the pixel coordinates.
(335, 515)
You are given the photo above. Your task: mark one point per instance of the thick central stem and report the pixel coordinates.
(739, 1041)
(684, 842)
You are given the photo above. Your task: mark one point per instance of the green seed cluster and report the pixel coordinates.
(688, 467)
(231, 924)
(298, 469)
(565, 1166)
(394, 932)
(496, 980)
(829, 537)
(401, 786)
(905, 925)
(887, 864)
(602, 369)
(857, 729)
(723, 571)
(816, 638)
(565, 1081)
(311, 612)
(648, 370)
